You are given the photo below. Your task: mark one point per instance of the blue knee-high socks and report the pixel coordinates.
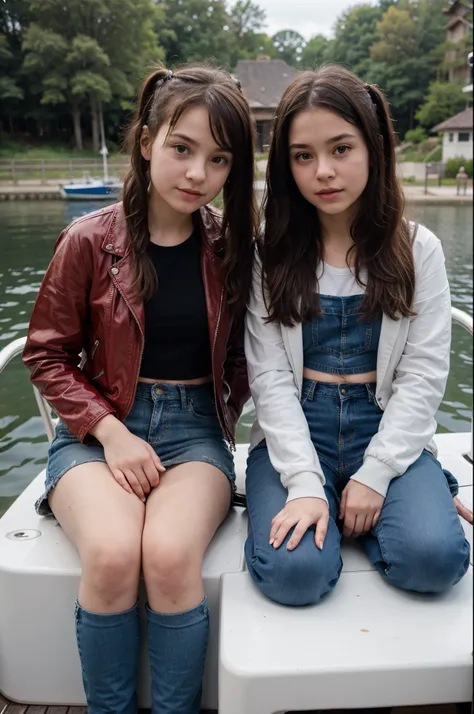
(177, 647)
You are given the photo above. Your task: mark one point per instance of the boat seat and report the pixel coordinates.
(39, 577)
(365, 645)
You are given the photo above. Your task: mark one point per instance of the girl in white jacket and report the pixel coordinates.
(347, 344)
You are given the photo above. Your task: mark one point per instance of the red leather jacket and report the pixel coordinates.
(86, 335)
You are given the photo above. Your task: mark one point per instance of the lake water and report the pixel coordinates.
(27, 234)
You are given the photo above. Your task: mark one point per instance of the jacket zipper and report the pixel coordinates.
(221, 421)
(129, 406)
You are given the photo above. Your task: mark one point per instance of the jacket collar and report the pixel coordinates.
(116, 237)
(116, 240)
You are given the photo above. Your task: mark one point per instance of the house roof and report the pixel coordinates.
(264, 81)
(463, 120)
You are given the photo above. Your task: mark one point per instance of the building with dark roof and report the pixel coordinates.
(457, 135)
(263, 83)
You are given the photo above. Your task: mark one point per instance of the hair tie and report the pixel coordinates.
(158, 83)
(169, 75)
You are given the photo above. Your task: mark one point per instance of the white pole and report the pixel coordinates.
(103, 151)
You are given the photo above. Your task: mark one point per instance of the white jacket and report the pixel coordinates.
(412, 371)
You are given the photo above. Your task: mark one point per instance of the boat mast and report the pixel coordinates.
(103, 149)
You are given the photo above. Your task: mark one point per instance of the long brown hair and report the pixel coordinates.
(164, 96)
(292, 248)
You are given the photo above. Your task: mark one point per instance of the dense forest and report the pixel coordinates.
(66, 67)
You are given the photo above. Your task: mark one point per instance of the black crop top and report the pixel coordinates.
(177, 343)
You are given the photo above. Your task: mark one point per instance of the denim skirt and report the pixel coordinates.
(178, 420)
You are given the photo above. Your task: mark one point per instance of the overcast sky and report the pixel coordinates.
(308, 17)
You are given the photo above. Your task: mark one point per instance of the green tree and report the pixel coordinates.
(416, 136)
(289, 46)
(90, 79)
(247, 18)
(44, 63)
(354, 34)
(10, 90)
(443, 101)
(316, 51)
(405, 56)
(396, 33)
(13, 21)
(195, 30)
(247, 21)
(89, 53)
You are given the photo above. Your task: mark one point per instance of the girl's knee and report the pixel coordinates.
(111, 567)
(169, 569)
(431, 565)
(299, 577)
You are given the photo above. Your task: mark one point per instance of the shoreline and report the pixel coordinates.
(35, 191)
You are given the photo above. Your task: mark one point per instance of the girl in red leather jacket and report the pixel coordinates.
(136, 341)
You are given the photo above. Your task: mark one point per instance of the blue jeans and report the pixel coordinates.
(418, 543)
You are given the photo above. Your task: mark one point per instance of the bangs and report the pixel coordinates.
(225, 124)
(219, 118)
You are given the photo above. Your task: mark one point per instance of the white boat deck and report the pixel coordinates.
(35, 554)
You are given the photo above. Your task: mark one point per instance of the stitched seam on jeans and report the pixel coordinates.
(340, 459)
(382, 547)
(318, 395)
(370, 393)
(326, 462)
(195, 410)
(343, 342)
(348, 466)
(308, 395)
(77, 617)
(160, 426)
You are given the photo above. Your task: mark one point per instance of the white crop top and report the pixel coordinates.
(339, 282)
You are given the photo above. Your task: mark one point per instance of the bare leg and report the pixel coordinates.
(182, 515)
(105, 524)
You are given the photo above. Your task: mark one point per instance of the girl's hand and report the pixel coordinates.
(462, 510)
(133, 462)
(360, 508)
(301, 514)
